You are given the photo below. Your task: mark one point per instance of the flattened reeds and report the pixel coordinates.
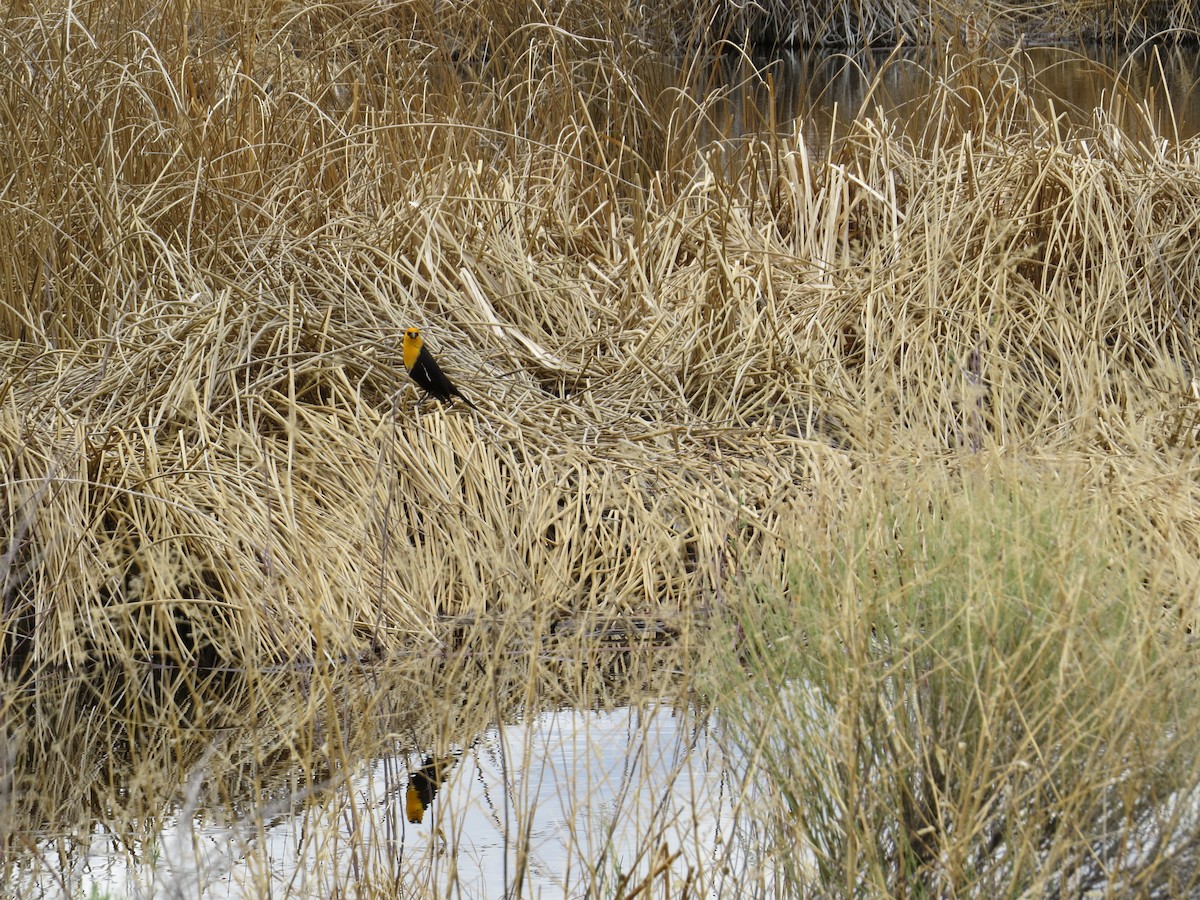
(210, 444)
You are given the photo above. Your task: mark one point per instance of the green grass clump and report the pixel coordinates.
(967, 689)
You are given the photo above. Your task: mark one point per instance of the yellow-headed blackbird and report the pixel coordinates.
(425, 371)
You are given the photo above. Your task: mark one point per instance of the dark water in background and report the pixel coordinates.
(1150, 93)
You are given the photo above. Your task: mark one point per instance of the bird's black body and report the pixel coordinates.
(429, 375)
(424, 370)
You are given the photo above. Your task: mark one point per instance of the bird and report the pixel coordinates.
(425, 371)
(423, 785)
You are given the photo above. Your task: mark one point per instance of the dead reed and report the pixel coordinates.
(692, 359)
(211, 446)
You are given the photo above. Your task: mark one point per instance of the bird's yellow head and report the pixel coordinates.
(412, 346)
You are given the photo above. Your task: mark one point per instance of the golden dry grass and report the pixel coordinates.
(692, 358)
(221, 244)
(210, 441)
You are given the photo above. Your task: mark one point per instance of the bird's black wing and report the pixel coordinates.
(429, 375)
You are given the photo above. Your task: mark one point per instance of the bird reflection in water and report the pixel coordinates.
(423, 784)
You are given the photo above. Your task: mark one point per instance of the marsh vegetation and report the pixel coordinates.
(875, 460)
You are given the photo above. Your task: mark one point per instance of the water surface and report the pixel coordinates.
(1151, 93)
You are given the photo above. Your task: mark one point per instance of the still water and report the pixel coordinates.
(555, 805)
(545, 808)
(1151, 93)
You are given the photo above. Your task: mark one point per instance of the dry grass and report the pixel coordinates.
(687, 356)
(999, 23)
(222, 247)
